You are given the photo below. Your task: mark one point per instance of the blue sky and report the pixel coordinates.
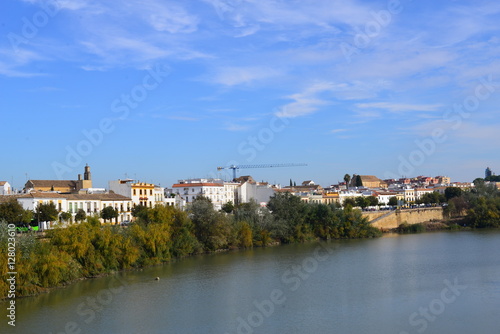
(165, 90)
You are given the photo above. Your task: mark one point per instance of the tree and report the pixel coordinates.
(228, 207)
(451, 192)
(362, 202)
(289, 212)
(359, 182)
(65, 216)
(347, 179)
(432, 198)
(349, 201)
(80, 215)
(141, 212)
(393, 201)
(46, 212)
(211, 228)
(13, 213)
(372, 200)
(109, 213)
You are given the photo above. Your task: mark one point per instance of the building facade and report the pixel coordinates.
(5, 188)
(91, 204)
(145, 194)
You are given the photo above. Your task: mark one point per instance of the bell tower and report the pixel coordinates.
(87, 175)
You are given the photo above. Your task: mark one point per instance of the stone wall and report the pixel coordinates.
(398, 217)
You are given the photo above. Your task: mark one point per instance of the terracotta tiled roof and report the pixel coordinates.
(2, 183)
(76, 197)
(44, 195)
(53, 183)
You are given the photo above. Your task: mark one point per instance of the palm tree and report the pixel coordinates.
(347, 179)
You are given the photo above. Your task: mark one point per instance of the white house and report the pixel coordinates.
(348, 194)
(384, 196)
(5, 188)
(419, 192)
(92, 204)
(146, 194)
(218, 191)
(259, 192)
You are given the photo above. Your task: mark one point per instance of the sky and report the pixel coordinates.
(165, 90)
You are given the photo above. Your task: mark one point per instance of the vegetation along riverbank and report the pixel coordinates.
(164, 233)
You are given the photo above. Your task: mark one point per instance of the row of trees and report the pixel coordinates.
(13, 213)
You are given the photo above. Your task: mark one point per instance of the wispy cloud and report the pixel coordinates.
(306, 102)
(176, 117)
(236, 127)
(232, 76)
(399, 107)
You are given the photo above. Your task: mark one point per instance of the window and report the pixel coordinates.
(140, 191)
(135, 192)
(151, 192)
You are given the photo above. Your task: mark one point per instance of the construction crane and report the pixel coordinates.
(234, 167)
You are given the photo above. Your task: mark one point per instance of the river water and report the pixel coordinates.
(445, 282)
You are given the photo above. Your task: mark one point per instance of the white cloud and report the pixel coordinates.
(232, 76)
(306, 102)
(236, 127)
(399, 107)
(173, 19)
(338, 130)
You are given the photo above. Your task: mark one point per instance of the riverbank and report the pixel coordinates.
(161, 235)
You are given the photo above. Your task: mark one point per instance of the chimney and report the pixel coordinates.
(79, 177)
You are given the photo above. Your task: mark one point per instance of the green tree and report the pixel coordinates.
(347, 179)
(65, 216)
(109, 213)
(13, 213)
(140, 212)
(349, 201)
(362, 201)
(485, 213)
(359, 182)
(211, 228)
(46, 212)
(451, 192)
(393, 201)
(288, 212)
(80, 215)
(372, 200)
(228, 207)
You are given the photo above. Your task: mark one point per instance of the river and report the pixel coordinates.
(443, 282)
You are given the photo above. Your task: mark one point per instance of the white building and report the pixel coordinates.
(92, 204)
(146, 194)
(218, 191)
(384, 197)
(348, 194)
(419, 192)
(5, 188)
(259, 192)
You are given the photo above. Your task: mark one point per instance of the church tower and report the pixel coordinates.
(87, 175)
